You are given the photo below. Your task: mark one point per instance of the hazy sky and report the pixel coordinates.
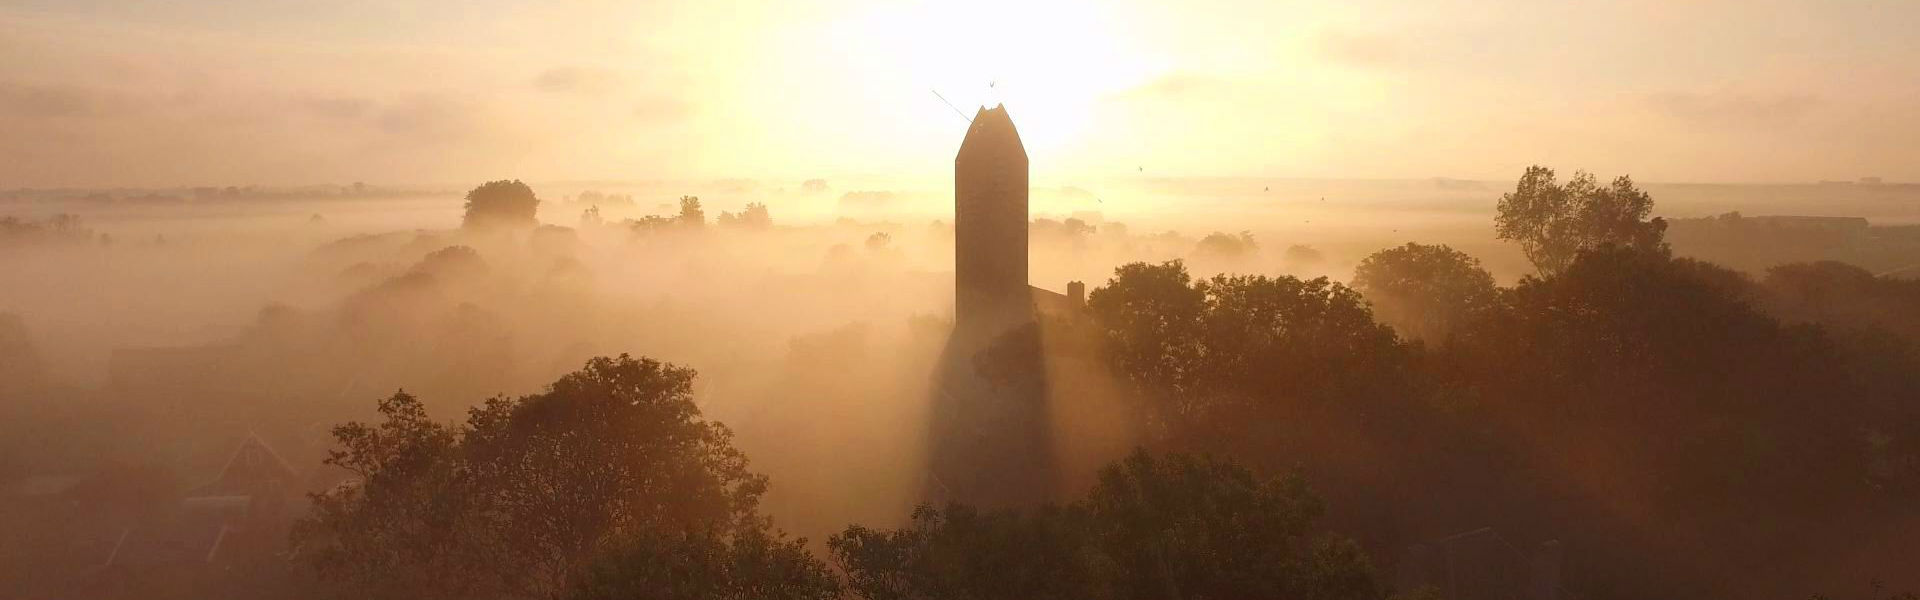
(186, 92)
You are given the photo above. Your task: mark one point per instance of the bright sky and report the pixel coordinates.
(206, 92)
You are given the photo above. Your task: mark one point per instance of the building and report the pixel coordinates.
(990, 440)
(990, 224)
(991, 293)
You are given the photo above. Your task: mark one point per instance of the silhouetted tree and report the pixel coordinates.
(529, 493)
(501, 204)
(1553, 222)
(1211, 355)
(690, 213)
(754, 216)
(60, 228)
(702, 564)
(1226, 246)
(1153, 527)
(1424, 291)
(1300, 256)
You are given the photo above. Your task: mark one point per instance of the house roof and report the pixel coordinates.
(252, 464)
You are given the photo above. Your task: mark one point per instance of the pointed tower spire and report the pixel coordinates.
(990, 227)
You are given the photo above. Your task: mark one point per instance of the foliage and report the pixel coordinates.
(690, 213)
(754, 216)
(1222, 245)
(504, 203)
(529, 493)
(1554, 222)
(1153, 527)
(690, 218)
(1210, 354)
(60, 228)
(705, 564)
(1630, 387)
(1424, 291)
(1301, 256)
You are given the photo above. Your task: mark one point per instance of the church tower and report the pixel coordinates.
(990, 228)
(989, 440)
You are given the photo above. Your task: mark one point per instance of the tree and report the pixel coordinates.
(549, 494)
(754, 216)
(1424, 292)
(504, 203)
(1150, 317)
(1226, 246)
(1152, 527)
(1209, 355)
(1301, 256)
(705, 564)
(1553, 222)
(690, 213)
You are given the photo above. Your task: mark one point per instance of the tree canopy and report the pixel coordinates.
(1424, 291)
(1173, 526)
(584, 489)
(1554, 222)
(504, 203)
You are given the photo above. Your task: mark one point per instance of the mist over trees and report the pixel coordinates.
(1424, 291)
(754, 216)
(501, 204)
(587, 490)
(1649, 425)
(60, 228)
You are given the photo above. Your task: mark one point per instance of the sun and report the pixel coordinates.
(1051, 63)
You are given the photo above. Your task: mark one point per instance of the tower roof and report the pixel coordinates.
(991, 134)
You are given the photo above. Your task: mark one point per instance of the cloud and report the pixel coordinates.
(41, 102)
(1733, 108)
(1358, 49)
(576, 80)
(428, 118)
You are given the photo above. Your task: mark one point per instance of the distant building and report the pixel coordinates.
(130, 534)
(242, 513)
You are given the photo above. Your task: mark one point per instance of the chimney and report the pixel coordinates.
(1076, 295)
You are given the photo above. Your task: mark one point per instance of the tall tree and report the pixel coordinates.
(504, 203)
(1554, 222)
(691, 214)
